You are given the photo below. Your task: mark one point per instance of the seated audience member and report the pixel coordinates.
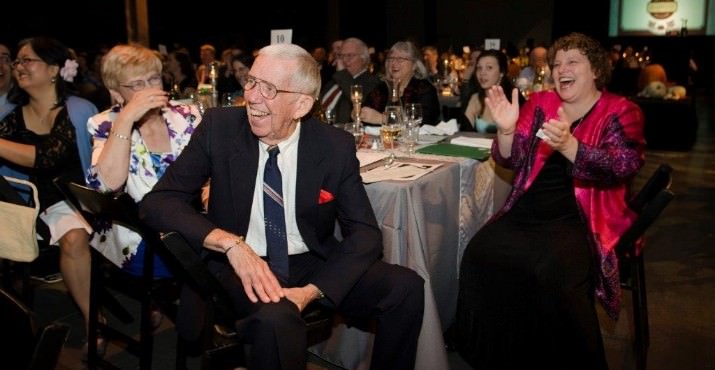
(529, 278)
(45, 137)
(537, 65)
(404, 66)
(491, 66)
(241, 65)
(207, 54)
(5, 80)
(352, 63)
(430, 57)
(182, 73)
(278, 186)
(134, 142)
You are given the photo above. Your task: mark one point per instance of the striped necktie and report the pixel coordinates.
(274, 216)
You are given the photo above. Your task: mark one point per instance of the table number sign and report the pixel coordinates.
(281, 36)
(492, 44)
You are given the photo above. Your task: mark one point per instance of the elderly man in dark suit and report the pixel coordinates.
(353, 61)
(278, 185)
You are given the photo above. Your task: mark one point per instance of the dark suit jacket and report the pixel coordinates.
(224, 150)
(344, 80)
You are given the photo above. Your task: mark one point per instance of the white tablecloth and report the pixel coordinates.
(426, 225)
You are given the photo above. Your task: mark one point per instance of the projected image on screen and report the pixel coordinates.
(661, 17)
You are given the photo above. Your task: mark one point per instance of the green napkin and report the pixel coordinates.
(452, 150)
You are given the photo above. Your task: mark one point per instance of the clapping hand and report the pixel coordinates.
(505, 113)
(557, 132)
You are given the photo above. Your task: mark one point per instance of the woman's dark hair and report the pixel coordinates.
(592, 49)
(53, 53)
(185, 64)
(245, 59)
(505, 82)
(474, 86)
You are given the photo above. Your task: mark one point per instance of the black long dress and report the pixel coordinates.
(526, 290)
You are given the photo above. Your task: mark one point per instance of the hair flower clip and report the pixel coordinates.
(69, 71)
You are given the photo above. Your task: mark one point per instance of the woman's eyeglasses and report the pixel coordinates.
(140, 85)
(24, 61)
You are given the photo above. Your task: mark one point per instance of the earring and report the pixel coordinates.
(53, 79)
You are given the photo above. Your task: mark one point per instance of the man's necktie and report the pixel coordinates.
(274, 216)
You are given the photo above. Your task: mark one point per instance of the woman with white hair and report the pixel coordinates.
(404, 66)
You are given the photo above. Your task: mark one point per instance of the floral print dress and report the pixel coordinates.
(118, 244)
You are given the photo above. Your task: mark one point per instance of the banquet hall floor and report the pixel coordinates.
(680, 271)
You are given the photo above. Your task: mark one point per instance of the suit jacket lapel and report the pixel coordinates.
(243, 168)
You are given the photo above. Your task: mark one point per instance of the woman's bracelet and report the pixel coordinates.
(120, 136)
(505, 133)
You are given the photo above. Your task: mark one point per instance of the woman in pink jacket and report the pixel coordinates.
(528, 279)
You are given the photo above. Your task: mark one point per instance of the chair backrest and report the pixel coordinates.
(122, 210)
(648, 203)
(659, 180)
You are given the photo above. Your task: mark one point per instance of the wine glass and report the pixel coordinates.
(356, 98)
(391, 126)
(413, 113)
(356, 94)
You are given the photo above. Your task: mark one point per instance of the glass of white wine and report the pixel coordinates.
(391, 126)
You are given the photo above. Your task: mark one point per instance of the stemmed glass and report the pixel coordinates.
(413, 113)
(391, 126)
(356, 98)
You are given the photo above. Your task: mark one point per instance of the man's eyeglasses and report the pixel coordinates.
(398, 60)
(267, 89)
(5, 59)
(140, 85)
(25, 61)
(347, 56)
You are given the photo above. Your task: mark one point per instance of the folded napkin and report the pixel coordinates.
(372, 130)
(443, 128)
(453, 150)
(476, 142)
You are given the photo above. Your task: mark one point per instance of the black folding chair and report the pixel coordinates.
(22, 343)
(121, 209)
(648, 203)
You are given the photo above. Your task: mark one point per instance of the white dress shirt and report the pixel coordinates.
(288, 165)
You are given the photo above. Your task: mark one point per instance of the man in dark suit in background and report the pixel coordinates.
(352, 64)
(275, 262)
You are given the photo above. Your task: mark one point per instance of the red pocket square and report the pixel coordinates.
(325, 197)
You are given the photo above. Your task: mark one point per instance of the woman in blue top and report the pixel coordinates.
(39, 137)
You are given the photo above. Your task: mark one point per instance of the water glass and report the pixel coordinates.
(410, 137)
(357, 130)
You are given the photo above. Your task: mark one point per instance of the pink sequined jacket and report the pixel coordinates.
(610, 153)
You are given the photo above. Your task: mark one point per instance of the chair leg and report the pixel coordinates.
(640, 313)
